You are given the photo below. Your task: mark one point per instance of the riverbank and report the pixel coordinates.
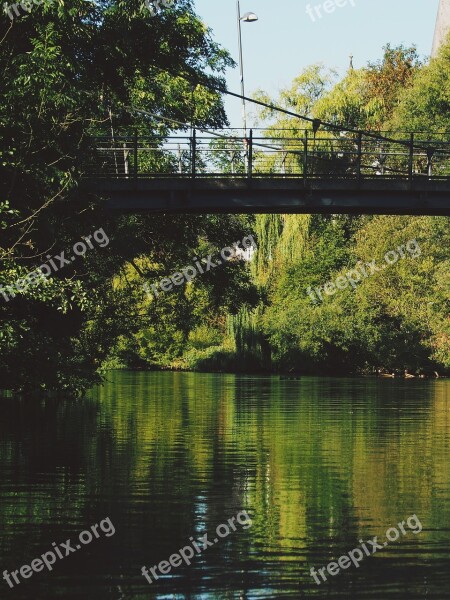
(217, 359)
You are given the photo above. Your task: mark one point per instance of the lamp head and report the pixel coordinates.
(249, 17)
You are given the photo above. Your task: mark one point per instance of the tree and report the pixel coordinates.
(70, 69)
(396, 318)
(389, 78)
(425, 105)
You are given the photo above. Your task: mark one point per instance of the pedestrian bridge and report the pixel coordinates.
(272, 171)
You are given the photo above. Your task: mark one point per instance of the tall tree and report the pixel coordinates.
(69, 69)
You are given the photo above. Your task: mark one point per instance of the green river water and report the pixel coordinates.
(317, 464)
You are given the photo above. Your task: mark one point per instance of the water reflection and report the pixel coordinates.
(317, 463)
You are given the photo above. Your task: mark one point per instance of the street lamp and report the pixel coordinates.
(249, 17)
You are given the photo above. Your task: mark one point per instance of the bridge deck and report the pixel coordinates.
(322, 174)
(240, 195)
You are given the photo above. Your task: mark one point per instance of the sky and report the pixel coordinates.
(285, 39)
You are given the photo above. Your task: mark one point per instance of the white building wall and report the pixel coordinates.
(442, 25)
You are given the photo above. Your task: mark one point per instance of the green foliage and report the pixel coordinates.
(69, 69)
(250, 344)
(425, 105)
(76, 68)
(228, 155)
(347, 102)
(297, 330)
(388, 79)
(397, 318)
(204, 336)
(213, 359)
(301, 97)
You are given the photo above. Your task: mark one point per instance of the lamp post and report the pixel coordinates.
(249, 17)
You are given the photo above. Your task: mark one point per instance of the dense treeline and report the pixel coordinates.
(396, 317)
(74, 69)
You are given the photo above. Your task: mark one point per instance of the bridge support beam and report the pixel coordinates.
(380, 196)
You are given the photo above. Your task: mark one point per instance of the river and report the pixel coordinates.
(297, 472)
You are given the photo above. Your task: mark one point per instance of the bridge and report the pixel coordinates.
(302, 171)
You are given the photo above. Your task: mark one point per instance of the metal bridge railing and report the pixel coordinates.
(216, 154)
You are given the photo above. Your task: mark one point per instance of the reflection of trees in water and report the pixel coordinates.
(316, 462)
